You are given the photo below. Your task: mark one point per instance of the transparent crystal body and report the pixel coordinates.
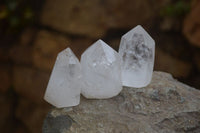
(101, 69)
(64, 86)
(137, 50)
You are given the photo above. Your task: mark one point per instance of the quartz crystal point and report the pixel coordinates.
(101, 69)
(64, 86)
(137, 50)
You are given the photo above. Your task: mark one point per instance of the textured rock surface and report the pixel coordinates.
(164, 106)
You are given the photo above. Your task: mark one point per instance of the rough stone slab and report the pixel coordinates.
(164, 106)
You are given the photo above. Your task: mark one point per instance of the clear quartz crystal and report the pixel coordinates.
(101, 69)
(64, 86)
(137, 50)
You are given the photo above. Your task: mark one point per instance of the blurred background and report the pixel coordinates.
(32, 32)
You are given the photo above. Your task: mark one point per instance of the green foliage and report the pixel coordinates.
(14, 15)
(177, 9)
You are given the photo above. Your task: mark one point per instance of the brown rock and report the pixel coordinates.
(170, 24)
(5, 77)
(166, 62)
(21, 54)
(195, 81)
(30, 83)
(191, 27)
(4, 56)
(27, 36)
(114, 43)
(21, 129)
(93, 18)
(78, 46)
(6, 121)
(46, 48)
(197, 59)
(31, 115)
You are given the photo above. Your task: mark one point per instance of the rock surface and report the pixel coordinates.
(164, 106)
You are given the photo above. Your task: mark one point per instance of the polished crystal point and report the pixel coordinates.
(101, 69)
(137, 50)
(64, 86)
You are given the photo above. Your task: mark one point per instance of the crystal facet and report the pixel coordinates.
(64, 86)
(137, 50)
(101, 69)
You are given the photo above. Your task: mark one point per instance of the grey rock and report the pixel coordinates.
(56, 124)
(164, 106)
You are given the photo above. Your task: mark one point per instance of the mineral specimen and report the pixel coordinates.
(64, 86)
(101, 69)
(137, 50)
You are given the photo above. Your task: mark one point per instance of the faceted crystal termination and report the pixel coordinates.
(137, 50)
(101, 69)
(64, 86)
